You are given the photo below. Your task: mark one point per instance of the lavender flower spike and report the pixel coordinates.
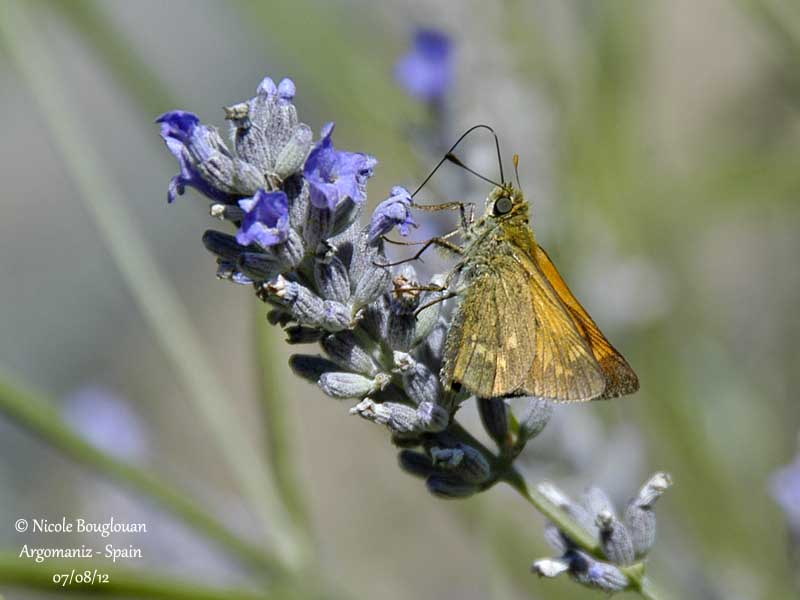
(266, 221)
(426, 72)
(392, 212)
(334, 175)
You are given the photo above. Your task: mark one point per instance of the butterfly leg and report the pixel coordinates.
(441, 298)
(447, 235)
(441, 242)
(461, 206)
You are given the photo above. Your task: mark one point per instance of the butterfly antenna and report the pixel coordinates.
(516, 171)
(457, 161)
(454, 146)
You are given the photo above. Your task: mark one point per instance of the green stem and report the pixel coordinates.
(554, 514)
(278, 429)
(155, 295)
(122, 583)
(38, 417)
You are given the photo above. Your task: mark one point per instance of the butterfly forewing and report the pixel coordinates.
(564, 368)
(491, 341)
(620, 378)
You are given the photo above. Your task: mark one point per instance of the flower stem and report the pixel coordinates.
(38, 417)
(156, 297)
(553, 513)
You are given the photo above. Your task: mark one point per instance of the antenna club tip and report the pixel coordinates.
(516, 161)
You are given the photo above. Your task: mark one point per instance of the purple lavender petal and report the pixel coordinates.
(334, 175)
(266, 221)
(392, 212)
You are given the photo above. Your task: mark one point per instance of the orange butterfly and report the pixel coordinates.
(518, 330)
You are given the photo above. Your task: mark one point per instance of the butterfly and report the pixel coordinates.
(518, 329)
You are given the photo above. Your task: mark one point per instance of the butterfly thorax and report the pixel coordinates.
(503, 227)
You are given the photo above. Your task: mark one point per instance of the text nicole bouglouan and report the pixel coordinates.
(78, 548)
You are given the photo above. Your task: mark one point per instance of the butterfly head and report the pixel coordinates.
(505, 201)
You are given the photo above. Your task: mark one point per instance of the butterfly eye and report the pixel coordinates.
(502, 206)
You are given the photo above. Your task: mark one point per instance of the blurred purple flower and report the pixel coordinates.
(392, 212)
(784, 487)
(266, 221)
(426, 72)
(106, 421)
(334, 175)
(190, 143)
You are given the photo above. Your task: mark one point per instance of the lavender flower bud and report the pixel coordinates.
(615, 540)
(416, 463)
(432, 417)
(640, 516)
(331, 277)
(299, 334)
(573, 509)
(368, 280)
(597, 502)
(432, 348)
(245, 179)
(310, 367)
(290, 253)
(344, 349)
(318, 225)
(536, 416)
(351, 385)
(419, 382)
(259, 266)
(593, 573)
(346, 213)
(494, 416)
(374, 318)
(550, 567)
(399, 418)
(449, 486)
(429, 317)
(466, 462)
(279, 317)
(303, 304)
(214, 163)
(286, 90)
(296, 189)
(292, 156)
(335, 316)
(556, 539)
(223, 245)
(226, 212)
(402, 323)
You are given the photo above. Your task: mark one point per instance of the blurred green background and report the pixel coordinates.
(660, 145)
